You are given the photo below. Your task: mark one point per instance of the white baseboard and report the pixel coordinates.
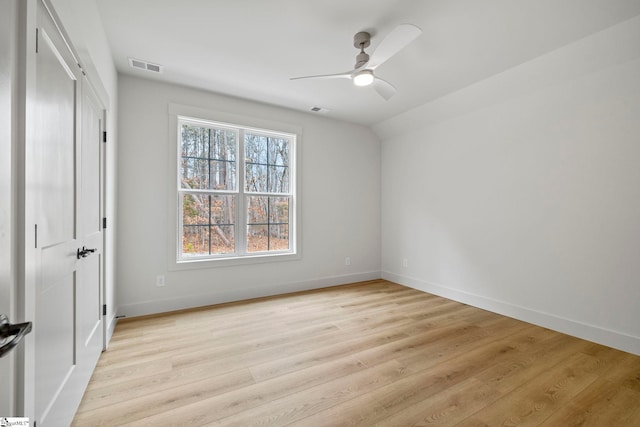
(575, 328)
(192, 301)
(111, 327)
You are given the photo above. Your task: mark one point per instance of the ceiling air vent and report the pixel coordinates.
(319, 110)
(144, 65)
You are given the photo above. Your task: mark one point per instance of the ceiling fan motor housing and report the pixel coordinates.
(361, 40)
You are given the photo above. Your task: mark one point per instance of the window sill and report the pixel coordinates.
(200, 263)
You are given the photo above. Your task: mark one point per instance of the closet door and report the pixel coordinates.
(89, 268)
(65, 186)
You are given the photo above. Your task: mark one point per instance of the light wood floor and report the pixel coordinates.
(366, 354)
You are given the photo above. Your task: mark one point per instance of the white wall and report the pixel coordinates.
(521, 194)
(340, 205)
(82, 22)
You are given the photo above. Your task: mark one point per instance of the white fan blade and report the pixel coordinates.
(384, 88)
(344, 75)
(395, 41)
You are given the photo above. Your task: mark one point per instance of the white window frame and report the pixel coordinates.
(194, 115)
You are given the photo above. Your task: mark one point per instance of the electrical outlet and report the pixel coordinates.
(160, 280)
(405, 263)
(347, 261)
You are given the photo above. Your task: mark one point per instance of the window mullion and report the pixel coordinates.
(268, 198)
(241, 213)
(292, 199)
(209, 198)
(210, 227)
(265, 194)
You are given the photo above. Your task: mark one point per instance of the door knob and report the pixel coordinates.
(17, 331)
(85, 252)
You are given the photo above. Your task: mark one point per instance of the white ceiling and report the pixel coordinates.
(251, 48)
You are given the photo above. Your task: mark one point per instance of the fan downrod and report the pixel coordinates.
(360, 41)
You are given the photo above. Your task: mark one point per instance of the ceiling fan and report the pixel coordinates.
(362, 74)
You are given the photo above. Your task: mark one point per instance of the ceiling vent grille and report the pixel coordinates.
(319, 110)
(144, 65)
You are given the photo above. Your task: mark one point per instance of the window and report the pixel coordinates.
(235, 191)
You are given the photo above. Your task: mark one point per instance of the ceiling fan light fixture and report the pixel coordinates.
(362, 74)
(363, 78)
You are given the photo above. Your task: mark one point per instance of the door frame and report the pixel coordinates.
(9, 30)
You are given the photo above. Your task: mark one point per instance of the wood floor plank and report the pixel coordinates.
(387, 402)
(537, 399)
(125, 372)
(299, 406)
(207, 411)
(604, 403)
(309, 357)
(445, 409)
(362, 354)
(520, 367)
(132, 406)
(430, 380)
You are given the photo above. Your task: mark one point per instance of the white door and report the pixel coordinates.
(65, 186)
(89, 225)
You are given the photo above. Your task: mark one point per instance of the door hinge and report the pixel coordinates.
(104, 309)
(36, 236)
(104, 222)
(104, 136)
(36, 40)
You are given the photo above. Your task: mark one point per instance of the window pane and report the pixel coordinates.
(257, 240)
(257, 209)
(195, 240)
(194, 173)
(256, 178)
(279, 237)
(223, 144)
(223, 209)
(263, 238)
(195, 142)
(208, 224)
(195, 209)
(194, 168)
(278, 210)
(267, 223)
(223, 175)
(267, 164)
(222, 239)
(278, 179)
(208, 158)
(278, 151)
(255, 148)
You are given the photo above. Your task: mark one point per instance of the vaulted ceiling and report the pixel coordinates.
(251, 48)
